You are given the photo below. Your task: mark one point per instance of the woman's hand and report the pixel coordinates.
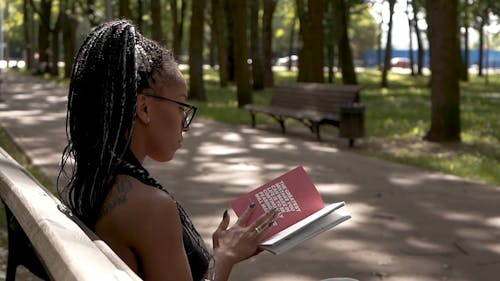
(240, 241)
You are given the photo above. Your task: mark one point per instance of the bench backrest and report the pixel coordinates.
(323, 98)
(67, 249)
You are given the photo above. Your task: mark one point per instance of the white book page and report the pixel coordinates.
(303, 223)
(321, 225)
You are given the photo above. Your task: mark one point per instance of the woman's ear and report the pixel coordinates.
(142, 109)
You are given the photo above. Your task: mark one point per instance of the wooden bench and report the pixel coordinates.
(313, 104)
(46, 238)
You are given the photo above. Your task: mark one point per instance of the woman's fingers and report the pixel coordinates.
(265, 218)
(242, 221)
(222, 227)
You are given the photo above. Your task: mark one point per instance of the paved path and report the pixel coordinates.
(408, 224)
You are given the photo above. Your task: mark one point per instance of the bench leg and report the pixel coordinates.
(282, 125)
(315, 129)
(252, 115)
(21, 251)
(351, 142)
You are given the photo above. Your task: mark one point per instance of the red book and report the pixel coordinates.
(300, 208)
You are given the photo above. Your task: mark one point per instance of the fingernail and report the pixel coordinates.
(252, 205)
(225, 214)
(271, 224)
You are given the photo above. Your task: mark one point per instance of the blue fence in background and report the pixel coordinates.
(491, 58)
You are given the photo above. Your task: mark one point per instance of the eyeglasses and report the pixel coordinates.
(189, 110)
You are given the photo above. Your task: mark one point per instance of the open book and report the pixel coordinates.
(303, 214)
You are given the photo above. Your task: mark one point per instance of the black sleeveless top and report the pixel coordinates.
(195, 248)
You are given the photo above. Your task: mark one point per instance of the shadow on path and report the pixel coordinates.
(408, 224)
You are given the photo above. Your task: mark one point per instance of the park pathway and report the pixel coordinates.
(408, 224)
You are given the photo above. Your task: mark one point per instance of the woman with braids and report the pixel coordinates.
(126, 102)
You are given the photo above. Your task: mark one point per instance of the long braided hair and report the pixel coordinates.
(114, 63)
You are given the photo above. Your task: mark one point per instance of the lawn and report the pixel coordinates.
(396, 120)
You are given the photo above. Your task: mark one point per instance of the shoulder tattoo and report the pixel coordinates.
(117, 195)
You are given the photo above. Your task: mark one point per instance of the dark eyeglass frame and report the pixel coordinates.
(189, 109)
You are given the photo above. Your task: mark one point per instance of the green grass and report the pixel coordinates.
(397, 118)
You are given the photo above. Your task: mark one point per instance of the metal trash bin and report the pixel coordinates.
(352, 122)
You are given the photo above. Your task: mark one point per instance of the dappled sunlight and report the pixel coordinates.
(218, 149)
(475, 234)
(422, 245)
(495, 222)
(405, 180)
(232, 137)
(336, 188)
(283, 276)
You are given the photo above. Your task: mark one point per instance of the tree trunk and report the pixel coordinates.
(388, 47)
(124, 9)
(70, 25)
(178, 25)
(481, 48)
(465, 59)
(196, 85)
(54, 69)
(330, 40)
(420, 46)
(444, 54)
(311, 52)
(43, 35)
(291, 41)
(410, 33)
(345, 53)
(230, 41)
(219, 24)
(267, 35)
(241, 73)
(140, 13)
(156, 27)
(110, 13)
(255, 47)
(28, 30)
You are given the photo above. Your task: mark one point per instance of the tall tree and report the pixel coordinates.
(124, 9)
(156, 26)
(420, 46)
(219, 25)
(311, 52)
(345, 53)
(388, 46)
(28, 33)
(230, 40)
(291, 40)
(464, 70)
(241, 72)
(69, 28)
(411, 18)
(178, 15)
(444, 54)
(196, 85)
(255, 47)
(330, 40)
(44, 12)
(267, 35)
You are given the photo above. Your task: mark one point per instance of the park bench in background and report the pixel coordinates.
(315, 104)
(46, 238)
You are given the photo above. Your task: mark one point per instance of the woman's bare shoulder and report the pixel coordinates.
(130, 197)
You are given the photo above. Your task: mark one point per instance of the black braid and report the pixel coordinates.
(114, 63)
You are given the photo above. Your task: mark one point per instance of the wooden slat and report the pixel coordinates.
(65, 249)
